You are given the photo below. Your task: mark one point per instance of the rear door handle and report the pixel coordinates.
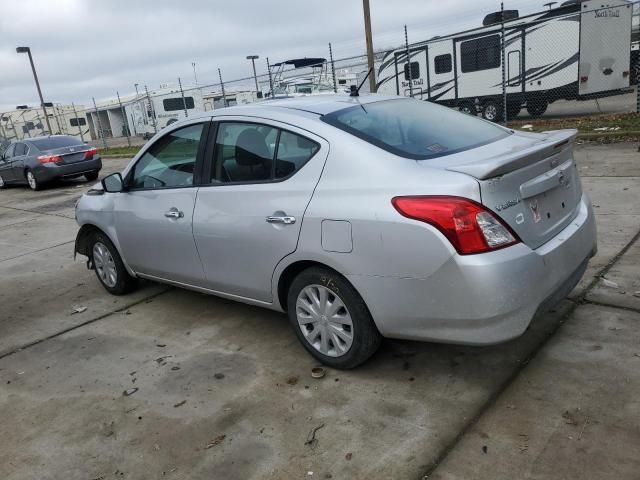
(285, 219)
(174, 213)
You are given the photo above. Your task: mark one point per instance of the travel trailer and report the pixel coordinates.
(577, 51)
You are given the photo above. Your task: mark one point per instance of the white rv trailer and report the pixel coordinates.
(578, 51)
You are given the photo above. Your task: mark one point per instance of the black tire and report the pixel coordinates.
(32, 180)
(365, 336)
(92, 176)
(492, 111)
(468, 107)
(124, 283)
(536, 108)
(513, 111)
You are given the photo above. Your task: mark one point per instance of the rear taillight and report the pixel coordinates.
(469, 226)
(49, 159)
(90, 153)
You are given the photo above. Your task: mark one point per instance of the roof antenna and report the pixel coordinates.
(355, 92)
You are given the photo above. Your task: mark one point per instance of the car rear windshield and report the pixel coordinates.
(415, 129)
(52, 143)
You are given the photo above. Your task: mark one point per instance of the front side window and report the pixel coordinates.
(250, 152)
(480, 54)
(170, 161)
(442, 63)
(10, 151)
(414, 128)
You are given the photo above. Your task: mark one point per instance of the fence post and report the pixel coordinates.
(75, 114)
(504, 78)
(184, 102)
(271, 93)
(224, 95)
(333, 70)
(100, 132)
(406, 44)
(124, 119)
(153, 110)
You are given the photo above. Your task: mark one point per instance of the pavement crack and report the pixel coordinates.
(610, 305)
(59, 215)
(36, 251)
(88, 322)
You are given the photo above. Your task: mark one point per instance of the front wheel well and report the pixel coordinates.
(84, 235)
(292, 272)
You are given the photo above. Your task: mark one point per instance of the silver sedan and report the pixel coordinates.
(361, 217)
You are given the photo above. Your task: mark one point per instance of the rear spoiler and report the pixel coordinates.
(554, 142)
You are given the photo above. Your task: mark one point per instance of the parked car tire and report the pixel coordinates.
(32, 181)
(109, 267)
(468, 108)
(92, 176)
(537, 108)
(330, 319)
(492, 111)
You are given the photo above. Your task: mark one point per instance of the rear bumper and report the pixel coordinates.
(483, 299)
(51, 171)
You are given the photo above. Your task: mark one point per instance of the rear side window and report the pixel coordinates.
(21, 149)
(60, 141)
(251, 152)
(414, 128)
(442, 63)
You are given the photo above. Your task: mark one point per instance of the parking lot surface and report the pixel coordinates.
(168, 383)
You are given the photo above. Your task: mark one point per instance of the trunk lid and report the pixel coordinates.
(530, 181)
(69, 155)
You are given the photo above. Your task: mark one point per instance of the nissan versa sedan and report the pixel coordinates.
(40, 160)
(360, 217)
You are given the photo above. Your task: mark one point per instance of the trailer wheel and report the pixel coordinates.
(468, 107)
(537, 107)
(492, 111)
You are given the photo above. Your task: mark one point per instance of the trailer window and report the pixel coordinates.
(173, 104)
(415, 129)
(77, 121)
(442, 63)
(415, 70)
(480, 54)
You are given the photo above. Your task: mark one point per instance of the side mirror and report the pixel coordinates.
(113, 183)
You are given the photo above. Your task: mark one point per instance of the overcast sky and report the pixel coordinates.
(87, 48)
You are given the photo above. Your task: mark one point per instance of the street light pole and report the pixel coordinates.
(369, 39)
(27, 50)
(253, 59)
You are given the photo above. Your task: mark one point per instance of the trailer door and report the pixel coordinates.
(441, 71)
(605, 47)
(413, 75)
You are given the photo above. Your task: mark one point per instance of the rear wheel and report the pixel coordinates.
(33, 182)
(468, 108)
(109, 267)
(492, 111)
(92, 176)
(537, 107)
(331, 319)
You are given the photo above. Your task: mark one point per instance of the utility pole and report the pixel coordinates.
(27, 50)
(369, 39)
(253, 59)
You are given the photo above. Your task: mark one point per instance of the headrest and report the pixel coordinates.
(251, 148)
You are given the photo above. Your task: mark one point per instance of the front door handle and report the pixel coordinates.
(285, 219)
(174, 213)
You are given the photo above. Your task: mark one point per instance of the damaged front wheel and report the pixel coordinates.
(109, 267)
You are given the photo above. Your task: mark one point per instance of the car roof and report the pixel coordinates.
(41, 137)
(314, 104)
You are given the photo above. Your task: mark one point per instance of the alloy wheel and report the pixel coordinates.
(324, 320)
(1, 182)
(32, 180)
(105, 265)
(490, 112)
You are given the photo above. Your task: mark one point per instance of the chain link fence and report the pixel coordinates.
(577, 60)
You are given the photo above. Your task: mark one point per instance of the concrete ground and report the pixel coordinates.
(167, 383)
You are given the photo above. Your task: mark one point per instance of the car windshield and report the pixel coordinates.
(51, 143)
(415, 129)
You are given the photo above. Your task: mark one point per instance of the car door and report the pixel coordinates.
(5, 165)
(261, 177)
(153, 217)
(18, 161)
